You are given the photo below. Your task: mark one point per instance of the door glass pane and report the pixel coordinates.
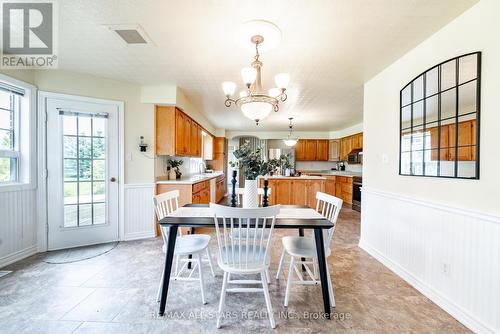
(70, 147)
(70, 193)
(99, 213)
(85, 214)
(84, 145)
(70, 215)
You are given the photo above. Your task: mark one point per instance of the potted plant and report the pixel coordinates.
(273, 166)
(285, 164)
(253, 165)
(175, 164)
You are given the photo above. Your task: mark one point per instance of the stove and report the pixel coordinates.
(357, 182)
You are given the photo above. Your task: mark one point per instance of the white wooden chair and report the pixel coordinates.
(185, 245)
(244, 256)
(305, 247)
(260, 192)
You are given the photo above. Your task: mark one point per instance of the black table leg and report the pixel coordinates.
(301, 234)
(169, 256)
(320, 248)
(190, 256)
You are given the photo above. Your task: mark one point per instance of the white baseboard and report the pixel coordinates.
(19, 255)
(139, 235)
(454, 310)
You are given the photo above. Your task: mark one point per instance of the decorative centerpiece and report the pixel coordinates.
(253, 165)
(175, 164)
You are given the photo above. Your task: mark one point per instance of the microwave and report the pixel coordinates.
(355, 157)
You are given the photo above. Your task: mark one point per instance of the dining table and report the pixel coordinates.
(298, 217)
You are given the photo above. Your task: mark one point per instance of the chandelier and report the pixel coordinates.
(290, 141)
(254, 102)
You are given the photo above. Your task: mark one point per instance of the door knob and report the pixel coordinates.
(113, 179)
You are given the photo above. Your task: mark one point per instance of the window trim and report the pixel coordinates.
(26, 152)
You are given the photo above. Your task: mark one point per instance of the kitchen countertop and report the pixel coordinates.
(345, 173)
(190, 179)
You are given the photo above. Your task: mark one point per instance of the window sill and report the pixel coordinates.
(16, 186)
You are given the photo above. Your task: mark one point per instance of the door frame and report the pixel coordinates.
(42, 214)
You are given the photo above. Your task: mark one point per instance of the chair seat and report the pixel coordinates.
(190, 244)
(301, 247)
(253, 265)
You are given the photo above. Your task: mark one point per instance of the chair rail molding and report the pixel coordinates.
(451, 255)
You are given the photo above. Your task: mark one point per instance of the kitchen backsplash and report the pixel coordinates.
(189, 166)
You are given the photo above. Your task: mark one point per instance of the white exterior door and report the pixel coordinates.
(83, 169)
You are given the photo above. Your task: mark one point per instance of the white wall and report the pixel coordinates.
(442, 235)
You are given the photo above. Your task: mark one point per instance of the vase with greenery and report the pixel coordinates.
(175, 165)
(253, 165)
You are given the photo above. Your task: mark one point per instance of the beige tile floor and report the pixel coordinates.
(115, 293)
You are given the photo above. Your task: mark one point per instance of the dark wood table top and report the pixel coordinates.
(306, 223)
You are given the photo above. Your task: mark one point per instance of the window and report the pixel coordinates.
(17, 134)
(10, 105)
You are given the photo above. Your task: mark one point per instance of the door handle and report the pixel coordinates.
(113, 179)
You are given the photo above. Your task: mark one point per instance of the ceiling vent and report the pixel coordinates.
(131, 34)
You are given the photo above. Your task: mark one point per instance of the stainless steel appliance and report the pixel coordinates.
(355, 157)
(357, 182)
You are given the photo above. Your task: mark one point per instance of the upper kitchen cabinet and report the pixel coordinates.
(176, 133)
(350, 143)
(208, 146)
(334, 150)
(300, 150)
(311, 150)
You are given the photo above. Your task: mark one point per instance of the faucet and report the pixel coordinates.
(202, 167)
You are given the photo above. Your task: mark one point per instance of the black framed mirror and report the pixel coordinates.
(439, 120)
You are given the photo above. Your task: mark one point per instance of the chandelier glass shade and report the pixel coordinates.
(254, 102)
(290, 141)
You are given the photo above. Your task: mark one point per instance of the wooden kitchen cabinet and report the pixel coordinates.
(311, 147)
(330, 185)
(311, 150)
(343, 188)
(294, 191)
(466, 141)
(322, 150)
(313, 186)
(300, 150)
(334, 150)
(283, 189)
(349, 143)
(299, 192)
(176, 134)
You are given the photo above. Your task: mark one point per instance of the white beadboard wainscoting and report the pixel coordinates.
(138, 211)
(18, 225)
(449, 254)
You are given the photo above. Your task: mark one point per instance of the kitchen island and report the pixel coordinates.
(296, 190)
(338, 183)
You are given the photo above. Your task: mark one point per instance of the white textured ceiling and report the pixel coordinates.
(330, 48)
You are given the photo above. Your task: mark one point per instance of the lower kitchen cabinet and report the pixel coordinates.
(294, 191)
(343, 188)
